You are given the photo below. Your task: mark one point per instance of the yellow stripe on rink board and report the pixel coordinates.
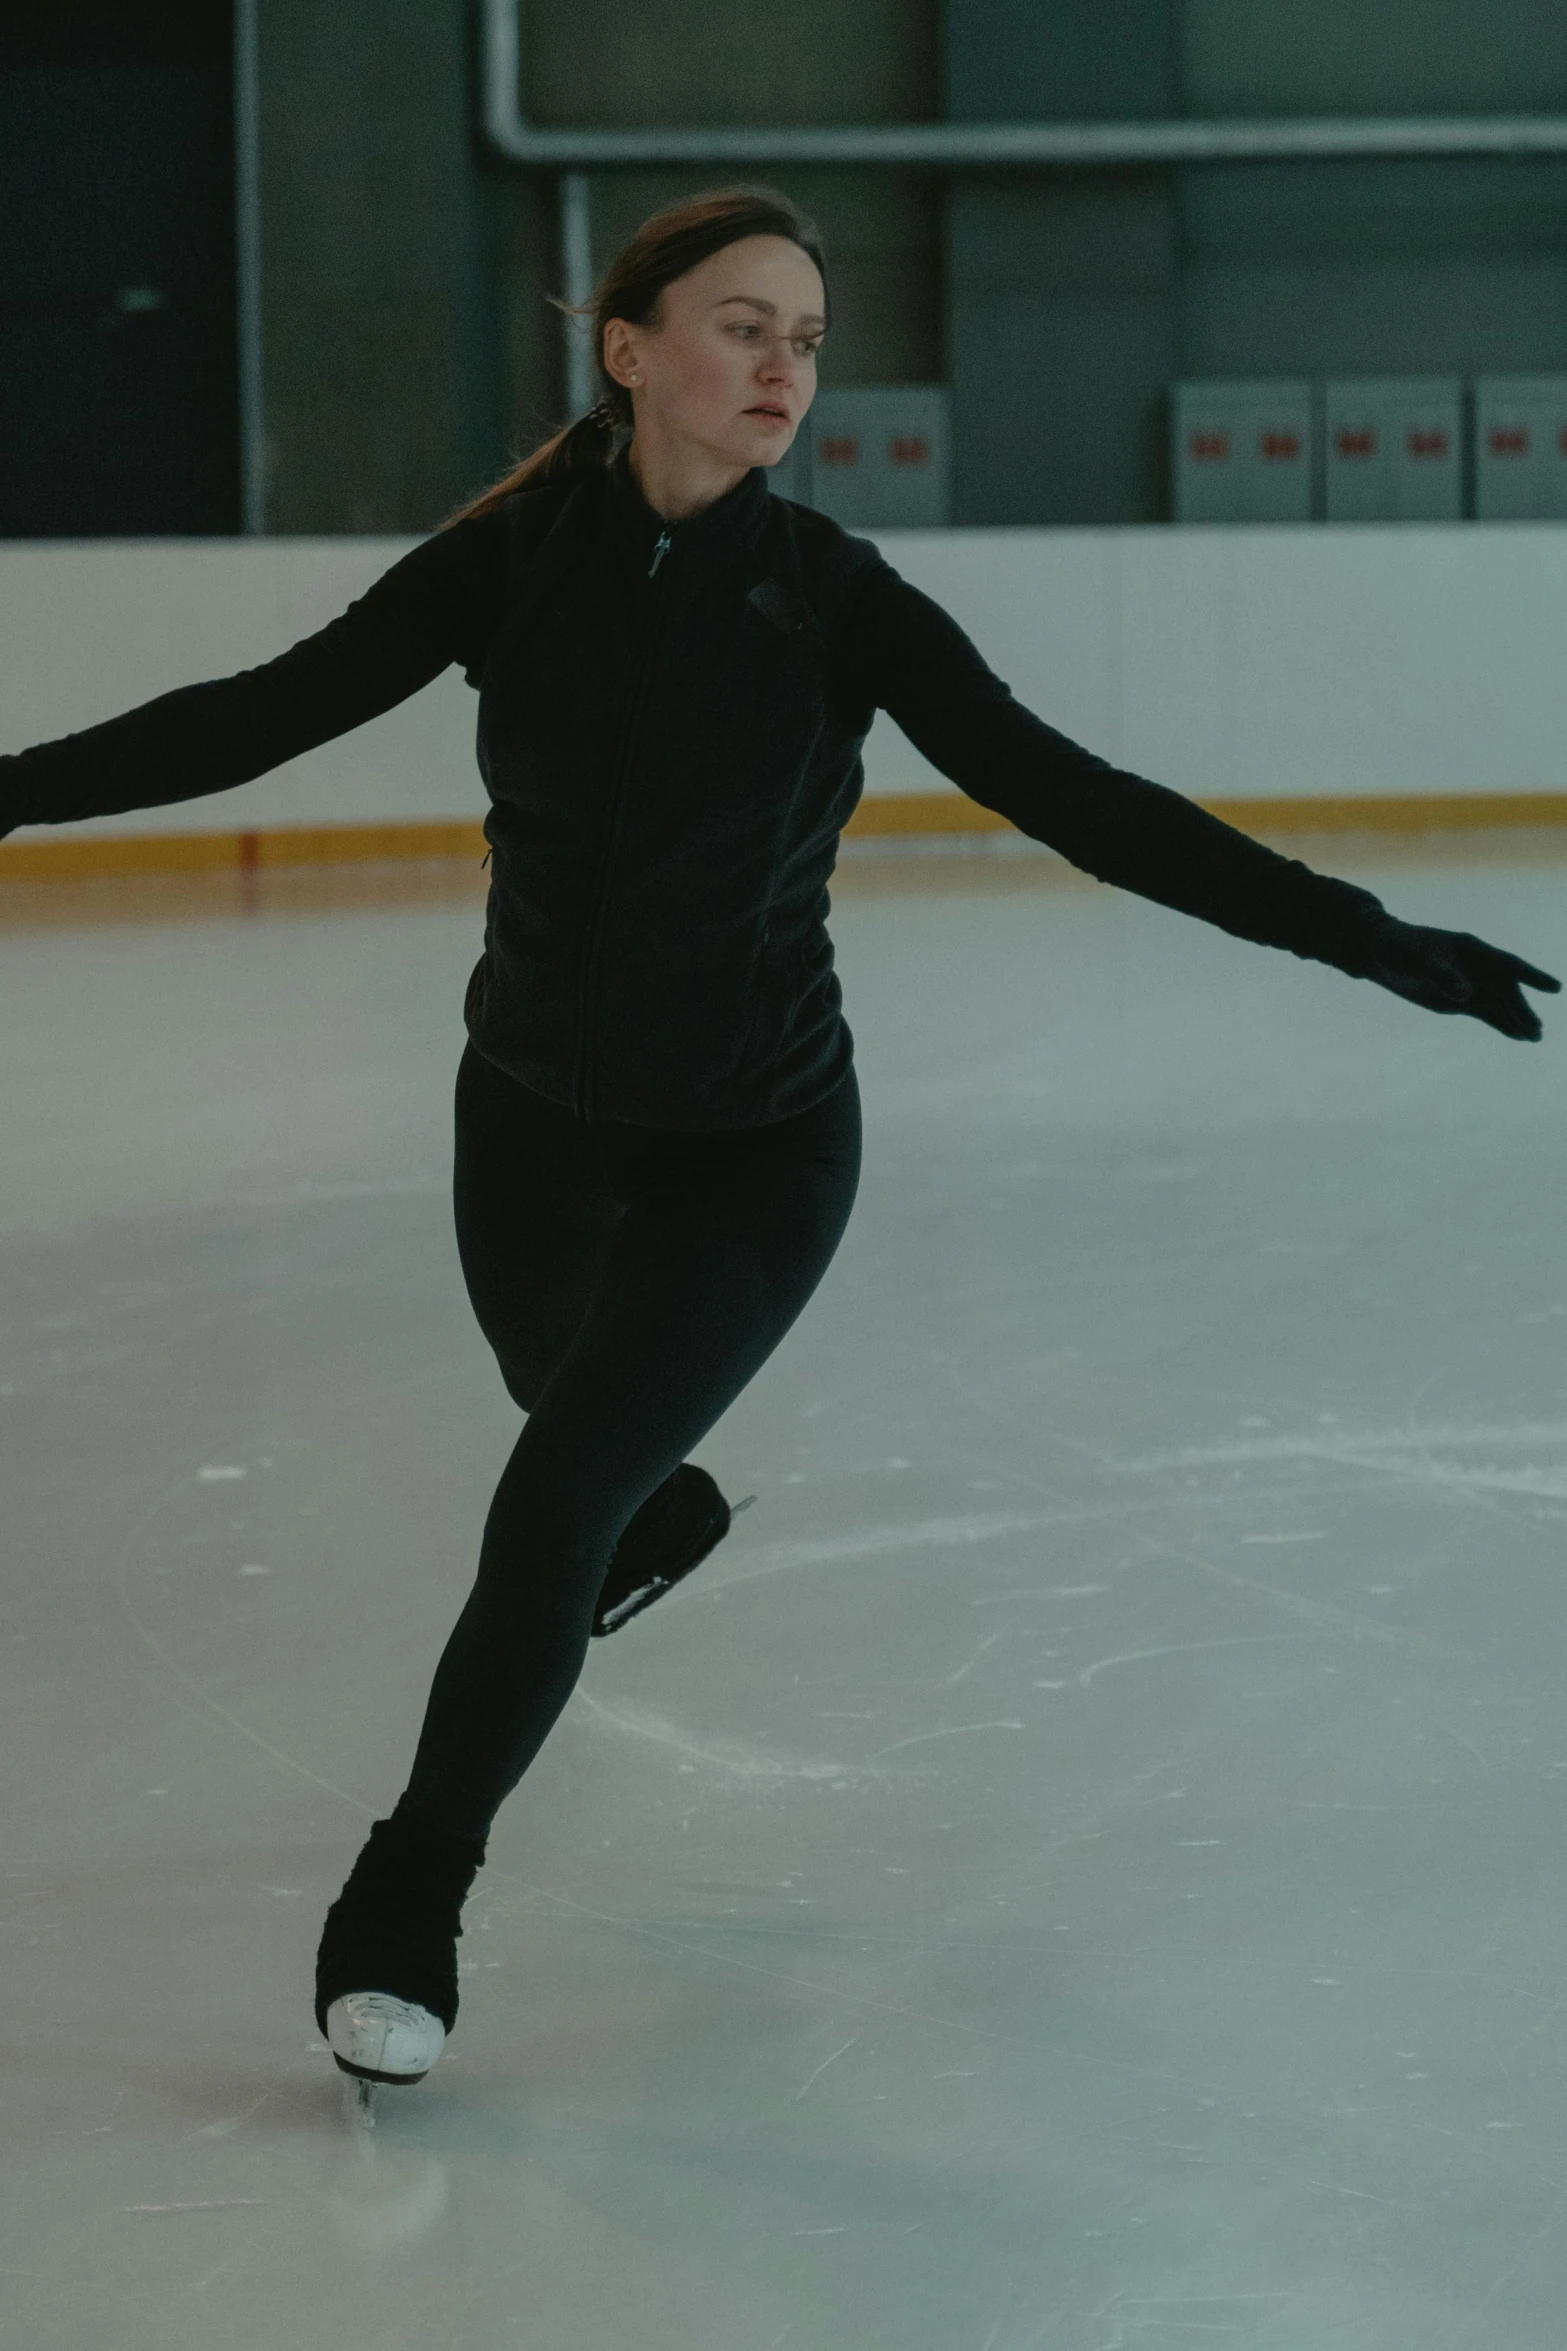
(1394, 812)
(29, 857)
(954, 812)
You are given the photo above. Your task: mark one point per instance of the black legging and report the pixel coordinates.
(631, 1282)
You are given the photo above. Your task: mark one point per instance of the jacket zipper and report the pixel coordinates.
(617, 802)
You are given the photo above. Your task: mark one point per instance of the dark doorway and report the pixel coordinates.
(119, 392)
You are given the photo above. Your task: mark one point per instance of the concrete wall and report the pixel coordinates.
(1077, 297)
(410, 353)
(381, 340)
(1391, 268)
(1063, 287)
(1228, 663)
(617, 65)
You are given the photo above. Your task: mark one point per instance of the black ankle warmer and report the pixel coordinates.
(394, 1926)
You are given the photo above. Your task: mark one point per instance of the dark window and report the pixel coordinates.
(119, 396)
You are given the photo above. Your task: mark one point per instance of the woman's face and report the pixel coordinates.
(730, 365)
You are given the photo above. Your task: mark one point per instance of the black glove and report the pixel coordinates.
(1451, 971)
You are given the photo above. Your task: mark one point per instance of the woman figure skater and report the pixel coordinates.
(657, 1116)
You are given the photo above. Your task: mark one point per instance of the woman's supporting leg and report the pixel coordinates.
(534, 1215)
(721, 1241)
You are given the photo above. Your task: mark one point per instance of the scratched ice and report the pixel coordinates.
(1123, 1741)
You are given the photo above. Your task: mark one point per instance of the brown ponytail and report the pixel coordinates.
(663, 249)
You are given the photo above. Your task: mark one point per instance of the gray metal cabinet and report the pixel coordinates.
(876, 457)
(1521, 449)
(1242, 452)
(1393, 449)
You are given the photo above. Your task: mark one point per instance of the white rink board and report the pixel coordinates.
(1227, 662)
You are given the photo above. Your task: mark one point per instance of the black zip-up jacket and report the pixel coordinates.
(670, 724)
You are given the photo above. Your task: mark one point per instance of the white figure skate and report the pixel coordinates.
(377, 2038)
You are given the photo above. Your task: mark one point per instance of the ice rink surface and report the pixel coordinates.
(1145, 1661)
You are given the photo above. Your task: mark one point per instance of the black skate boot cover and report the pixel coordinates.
(677, 1526)
(394, 1926)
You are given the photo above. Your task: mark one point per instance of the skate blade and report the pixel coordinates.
(367, 2074)
(633, 1604)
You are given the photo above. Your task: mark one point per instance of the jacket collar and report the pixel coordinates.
(733, 521)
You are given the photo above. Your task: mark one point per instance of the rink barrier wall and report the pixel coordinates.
(1375, 678)
(890, 814)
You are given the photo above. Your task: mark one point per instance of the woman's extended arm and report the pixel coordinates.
(434, 606)
(917, 664)
(902, 652)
